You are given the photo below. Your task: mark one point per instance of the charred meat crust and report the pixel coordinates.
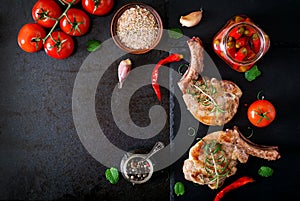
(227, 98)
(235, 148)
(196, 65)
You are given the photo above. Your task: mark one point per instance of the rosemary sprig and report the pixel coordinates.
(212, 100)
(193, 131)
(180, 68)
(206, 102)
(251, 132)
(216, 163)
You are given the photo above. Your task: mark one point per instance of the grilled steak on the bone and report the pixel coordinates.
(220, 151)
(211, 101)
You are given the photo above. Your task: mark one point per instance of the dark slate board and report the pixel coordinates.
(280, 73)
(42, 157)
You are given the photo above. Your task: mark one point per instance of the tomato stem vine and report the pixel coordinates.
(57, 20)
(97, 3)
(263, 115)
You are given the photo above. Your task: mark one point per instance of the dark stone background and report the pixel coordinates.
(41, 156)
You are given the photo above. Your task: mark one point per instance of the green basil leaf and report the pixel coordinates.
(179, 188)
(175, 33)
(252, 74)
(265, 171)
(112, 175)
(93, 45)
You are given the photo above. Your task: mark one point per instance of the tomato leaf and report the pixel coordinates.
(93, 45)
(179, 188)
(112, 175)
(175, 33)
(265, 171)
(252, 74)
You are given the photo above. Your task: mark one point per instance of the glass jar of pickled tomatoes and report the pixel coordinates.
(241, 43)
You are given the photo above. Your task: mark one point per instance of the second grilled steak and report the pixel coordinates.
(211, 101)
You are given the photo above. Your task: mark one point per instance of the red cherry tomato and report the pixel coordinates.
(30, 37)
(44, 12)
(261, 113)
(76, 23)
(98, 7)
(59, 46)
(70, 1)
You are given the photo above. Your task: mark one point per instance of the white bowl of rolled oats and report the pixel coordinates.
(136, 28)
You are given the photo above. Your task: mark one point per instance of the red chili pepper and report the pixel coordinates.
(236, 184)
(231, 50)
(255, 42)
(237, 32)
(249, 31)
(241, 54)
(241, 42)
(250, 53)
(168, 59)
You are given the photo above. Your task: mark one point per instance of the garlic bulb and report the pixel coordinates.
(191, 19)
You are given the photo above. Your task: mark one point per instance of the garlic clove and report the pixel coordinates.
(191, 19)
(123, 71)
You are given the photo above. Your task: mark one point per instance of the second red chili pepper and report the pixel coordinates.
(236, 184)
(168, 59)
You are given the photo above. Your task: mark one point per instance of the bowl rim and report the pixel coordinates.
(113, 25)
(125, 161)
